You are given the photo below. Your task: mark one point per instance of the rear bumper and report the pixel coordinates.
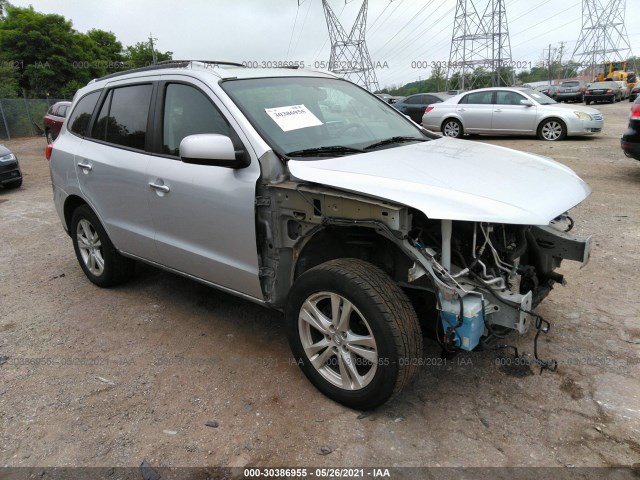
(569, 96)
(600, 98)
(630, 143)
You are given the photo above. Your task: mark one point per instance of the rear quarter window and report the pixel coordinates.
(82, 113)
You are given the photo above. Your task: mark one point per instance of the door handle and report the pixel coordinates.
(498, 110)
(85, 166)
(161, 188)
(461, 109)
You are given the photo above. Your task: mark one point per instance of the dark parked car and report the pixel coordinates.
(549, 90)
(634, 93)
(10, 174)
(603, 92)
(571, 91)
(415, 105)
(630, 141)
(54, 119)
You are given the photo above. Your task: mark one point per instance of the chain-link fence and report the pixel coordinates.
(22, 117)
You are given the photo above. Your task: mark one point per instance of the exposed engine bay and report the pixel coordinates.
(486, 278)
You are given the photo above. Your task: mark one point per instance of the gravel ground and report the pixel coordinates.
(111, 377)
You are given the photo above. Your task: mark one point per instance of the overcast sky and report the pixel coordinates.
(399, 32)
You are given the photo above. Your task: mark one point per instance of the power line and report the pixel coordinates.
(293, 30)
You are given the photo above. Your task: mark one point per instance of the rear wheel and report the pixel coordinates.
(353, 332)
(100, 261)
(552, 130)
(452, 128)
(587, 102)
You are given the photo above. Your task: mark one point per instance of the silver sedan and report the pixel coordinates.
(514, 111)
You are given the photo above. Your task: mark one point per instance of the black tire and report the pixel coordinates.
(552, 130)
(380, 311)
(452, 128)
(13, 184)
(49, 137)
(116, 269)
(587, 102)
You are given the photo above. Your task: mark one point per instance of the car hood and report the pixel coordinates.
(456, 180)
(572, 108)
(4, 151)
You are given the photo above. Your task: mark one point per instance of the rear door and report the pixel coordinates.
(204, 216)
(476, 111)
(111, 164)
(509, 116)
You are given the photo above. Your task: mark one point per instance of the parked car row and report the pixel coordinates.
(510, 110)
(580, 91)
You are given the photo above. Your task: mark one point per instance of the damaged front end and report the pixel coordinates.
(489, 277)
(485, 278)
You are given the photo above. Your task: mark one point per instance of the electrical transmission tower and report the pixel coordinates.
(349, 54)
(603, 37)
(480, 40)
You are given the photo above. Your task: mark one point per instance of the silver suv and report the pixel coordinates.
(303, 192)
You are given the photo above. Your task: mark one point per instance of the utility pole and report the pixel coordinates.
(153, 50)
(349, 53)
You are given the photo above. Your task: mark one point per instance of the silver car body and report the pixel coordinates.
(495, 118)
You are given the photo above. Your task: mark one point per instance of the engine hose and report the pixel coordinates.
(521, 246)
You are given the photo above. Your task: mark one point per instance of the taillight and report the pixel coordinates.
(47, 152)
(635, 110)
(609, 91)
(579, 89)
(588, 92)
(428, 109)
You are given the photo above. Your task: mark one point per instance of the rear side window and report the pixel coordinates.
(415, 100)
(188, 111)
(478, 98)
(123, 117)
(81, 115)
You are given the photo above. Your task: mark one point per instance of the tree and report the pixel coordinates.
(8, 81)
(140, 55)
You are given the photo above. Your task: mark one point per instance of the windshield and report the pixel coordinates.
(541, 98)
(332, 116)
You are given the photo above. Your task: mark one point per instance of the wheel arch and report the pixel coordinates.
(363, 243)
(70, 204)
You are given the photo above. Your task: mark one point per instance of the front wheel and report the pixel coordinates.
(552, 130)
(452, 128)
(353, 332)
(100, 261)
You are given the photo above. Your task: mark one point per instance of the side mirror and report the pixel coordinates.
(211, 149)
(528, 103)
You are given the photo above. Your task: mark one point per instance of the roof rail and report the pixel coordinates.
(167, 64)
(211, 62)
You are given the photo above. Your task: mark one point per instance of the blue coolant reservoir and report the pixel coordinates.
(467, 335)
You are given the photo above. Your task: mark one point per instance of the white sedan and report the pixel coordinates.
(510, 110)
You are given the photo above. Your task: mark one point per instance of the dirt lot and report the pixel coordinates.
(111, 377)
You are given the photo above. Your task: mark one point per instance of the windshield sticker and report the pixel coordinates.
(293, 117)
